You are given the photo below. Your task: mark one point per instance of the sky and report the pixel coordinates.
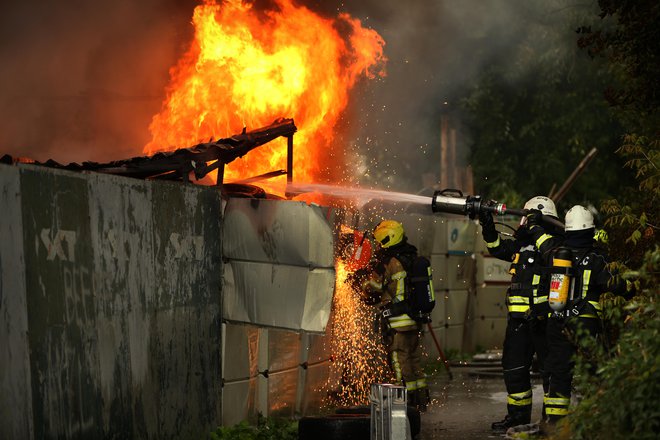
(80, 81)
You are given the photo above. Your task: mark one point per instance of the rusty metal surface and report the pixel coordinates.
(15, 382)
(122, 302)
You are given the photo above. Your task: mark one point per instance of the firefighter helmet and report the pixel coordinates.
(388, 233)
(578, 218)
(543, 204)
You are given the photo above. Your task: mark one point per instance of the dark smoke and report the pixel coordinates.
(81, 80)
(436, 50)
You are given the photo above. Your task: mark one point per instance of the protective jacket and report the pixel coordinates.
(527, 295)
(392, 271)
(404, 343)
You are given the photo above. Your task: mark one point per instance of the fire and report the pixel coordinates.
(357, 348)
(245, 68)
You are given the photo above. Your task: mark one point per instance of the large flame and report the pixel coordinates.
(245, 68)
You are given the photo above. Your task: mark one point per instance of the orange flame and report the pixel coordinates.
(245, 68)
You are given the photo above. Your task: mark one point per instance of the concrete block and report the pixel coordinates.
(16, 398)
(489, 332)
(439, 313)
(461, 236)
(439, 269)
(456, 307)
(490, 302)
(454, 337)
(492, 270)
(460, 272)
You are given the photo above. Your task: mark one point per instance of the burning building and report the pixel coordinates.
(150, 307)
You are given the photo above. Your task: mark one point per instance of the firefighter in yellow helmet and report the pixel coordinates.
(403, 337)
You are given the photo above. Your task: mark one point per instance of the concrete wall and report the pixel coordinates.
(110, 296)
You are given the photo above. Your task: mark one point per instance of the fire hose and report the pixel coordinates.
(452, 201)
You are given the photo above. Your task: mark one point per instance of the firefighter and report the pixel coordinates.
(527, 298)
(590, 279)
(403, 335)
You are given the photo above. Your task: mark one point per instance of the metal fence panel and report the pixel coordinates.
(278, 231)
(64, 361)
(185, 346)
(123, 304)
(15, 402)
(278, 296)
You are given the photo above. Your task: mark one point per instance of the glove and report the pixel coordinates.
(487, 226)
(523, 234)
(534, 218)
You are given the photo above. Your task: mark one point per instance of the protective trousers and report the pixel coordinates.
(522, 339)
(405, 356)
(560, 362)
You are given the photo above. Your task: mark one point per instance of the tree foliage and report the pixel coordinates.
(620, 397)
(266, 428)
(537, 111)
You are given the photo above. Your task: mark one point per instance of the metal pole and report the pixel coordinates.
(442, 355)
(289, 159)
(574, 175)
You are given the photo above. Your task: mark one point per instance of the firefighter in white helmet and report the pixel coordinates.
(591, 278)
(527, 303)
(403, 337)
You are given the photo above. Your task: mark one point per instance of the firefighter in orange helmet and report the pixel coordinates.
(403, 337)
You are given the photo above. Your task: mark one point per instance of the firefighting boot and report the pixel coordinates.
(413, 398)
(424, 399)
(517, 416)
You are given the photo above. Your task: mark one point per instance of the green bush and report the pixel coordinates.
(267, 428)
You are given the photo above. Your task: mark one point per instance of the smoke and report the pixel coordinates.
(81, 80)
(436, 49)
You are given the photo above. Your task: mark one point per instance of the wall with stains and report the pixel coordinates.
(135, 309)
(279, 278)
(109, 306)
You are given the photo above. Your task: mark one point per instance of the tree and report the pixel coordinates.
(620, 397)
(535, 113)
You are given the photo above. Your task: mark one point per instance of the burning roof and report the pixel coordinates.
(178, 164)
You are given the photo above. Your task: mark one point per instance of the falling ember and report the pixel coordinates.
(357, 348)
(245, 68)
